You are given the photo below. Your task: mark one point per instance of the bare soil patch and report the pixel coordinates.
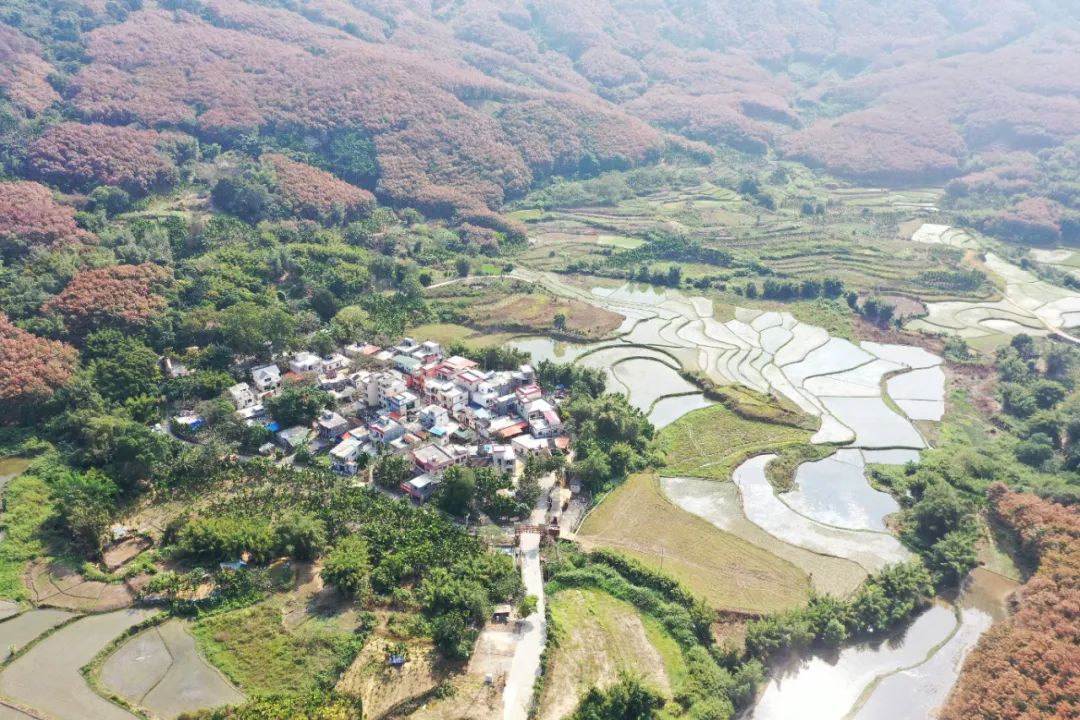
(56, 585)
(726, 570)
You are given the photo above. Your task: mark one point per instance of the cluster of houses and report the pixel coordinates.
(411, 400)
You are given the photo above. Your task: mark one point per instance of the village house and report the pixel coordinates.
(305, 362)
(292, 439)
(367, 387)
(386, 430)
(420, 487)
(242, 396)
(267, 378)
(433, 416)
(402, 404)
(432, 460)
(334, 362)
(331, 425)
(345, 456)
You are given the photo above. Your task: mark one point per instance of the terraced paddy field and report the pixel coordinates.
(712, 442)
(19, 631)
(727, 570)
(1029, 305)
(47, 677)
(161, 670)
(773, 353)
(601, 637)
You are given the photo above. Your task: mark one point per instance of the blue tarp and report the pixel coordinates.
(273, 426)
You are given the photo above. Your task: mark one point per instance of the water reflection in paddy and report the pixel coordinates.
(827, 689)
(834, 491)
(668, 410)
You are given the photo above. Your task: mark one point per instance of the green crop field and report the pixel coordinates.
(711, 442)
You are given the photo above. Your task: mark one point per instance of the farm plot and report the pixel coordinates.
(17, 632)
(720, 504)
(872, 550)
(1030, 305)
(771, 352)
(834, 491)
(259, 653)
(638, 520)
(710, 443)
(602, 637)
(47, 678)
(161, 670)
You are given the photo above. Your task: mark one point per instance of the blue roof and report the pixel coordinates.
(438, 431)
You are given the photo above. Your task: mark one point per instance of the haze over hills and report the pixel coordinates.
(453, 359)
(470, 103)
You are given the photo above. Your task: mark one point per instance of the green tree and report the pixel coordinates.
(348, 567)
(940, 511)
(298, 403)
(249, 328)
(952, 557)
(85, 503)
(122, 367)
(390, 471)
(628, 699)
(462, 265)
(528, 605)
(559, 321)
(457, 492)
(300, 535)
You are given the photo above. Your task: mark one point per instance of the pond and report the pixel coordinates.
(819, 688)
(541, 347)
(904, 678)
(834, 491)
(10, 468)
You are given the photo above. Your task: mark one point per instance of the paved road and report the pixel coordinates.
(533, 634)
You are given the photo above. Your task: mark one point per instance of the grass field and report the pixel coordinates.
(727, 571)
(514, 307)
(711, 442)
(255, 649)
(599, 637)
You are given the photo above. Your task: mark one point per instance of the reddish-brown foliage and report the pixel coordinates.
(23, 72)
(30, 217)
(469, 102)
(879, 146)
(1033, 220)
(117, 295)
(1030, 667)
(82, 156)
(316, 194)
(31, 367)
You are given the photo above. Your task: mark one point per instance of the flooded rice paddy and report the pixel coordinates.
(834, 491)
(47, 677)
(872, 550)
(838, 381)
(1030, 305)
(161, 670)
(905, 677)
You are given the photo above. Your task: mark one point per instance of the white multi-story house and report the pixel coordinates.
(344, 458)
(333, 363)
(432, 416)
(367, 387)
(267, 378)
(305, 362)
(242, 396)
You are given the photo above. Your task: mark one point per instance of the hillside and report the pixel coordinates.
(464, 105)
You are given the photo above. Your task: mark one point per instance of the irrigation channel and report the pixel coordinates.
(867, 397)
